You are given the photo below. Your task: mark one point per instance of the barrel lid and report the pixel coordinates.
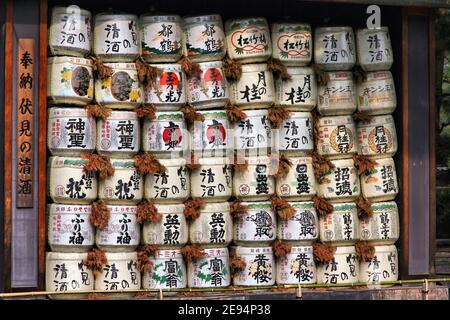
(330, 29)
(245, 22)
(253, 250)
(345, 250)
(74, 60)
(343, 162)
(115, 209)
(66, 256)
(388, 205)
(254, 67)
(257, 113)
(300, 114)
(210, 64)
(258, 160)
(336, 120)
(122, 163)
(378, 75)
(302, 249)
(70, 10)
(168, 67)
(362, 31)
(257, 204)
(161, 17)
(190, 19)
(300, 71)
(170, 208)
(114, 16)
(302, 205)
(215, 207)
(169, 116)
(377, 120)
(216, 252)
(385, 161)
(300, 160)
(340, 75)
(173, 162)
(385, 249)
(213, 161)
(114, 256)
(130, 66)
(122, 115)
(56, 161)
(168, 254)
(212, 114)
(345, 206)
(291, 27)
(55, 208)
(56, 112)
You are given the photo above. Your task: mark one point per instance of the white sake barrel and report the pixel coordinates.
(382, 267)
(383, 227)
(122, 233)
(65, 272)
(253, 135)
(70, 81)
(165, 136)
(340, 184)
(300, 182)
(254, 183)
(302, 228)
(299, 93)
(210, 271)
(374, 49)
(338, 96)
(168, 271)
(204, 38)
(119, 273)
(69, 228)
(168, 92)
(116, 37)
(170, 186)
(376, 94)
(340, 227)
(121, 90)
(257, 227)
(297, 267)
(212, 181)
(292, 43)
(171, 231)
(382, 184)
(334, 48)
(119, 135)
(377, 138)
(296, 134)
(212, 137)
(69, 33)
(68, 183)
(260, 267)
(255, 89)
(343, 269)
(70, 131)
(161, 37)
(214, 226)
(211, 89)
(125, 187)
(248, 39)
(337, 137)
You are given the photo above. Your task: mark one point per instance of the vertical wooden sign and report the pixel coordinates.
(24, 162)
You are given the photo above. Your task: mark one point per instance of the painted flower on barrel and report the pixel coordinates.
(216, 133)
(260, 269)
(106, 82)
(169, 273)
(66, 75)
(172, 135)
(135, 95)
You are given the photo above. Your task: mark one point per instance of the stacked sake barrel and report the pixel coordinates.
(292, 45)
(377, 140)
(249, 43)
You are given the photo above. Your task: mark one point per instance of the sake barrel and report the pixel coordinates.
(70, 31)
(257, 227)
(161, 37)
(297, 267)
(337, 137)
(168, 91)
(255, 89)
(70, 81)
(68, 183)
(171, 231)
(381, 184)
(119, 135)
(116, 37)
(170, 186)
(214, 226)
(121, 90)
(204, 38)
(260, 268)
(302, 228)
(299, 183)
(125, 187)
(334, 48)
(381, 268)
(253, 135)
(212, 137)
(69, 228)
(340, 184)
(66, 273)
(168, 271)
(210, 271)
(292, 43)
(374, 49)
(70, 131)
(299, 93)
(210, 90)
(377, 137)
(119, 273)
(212, 181)
(338, 95)
(122, 233)
(376, 94)
(383, 228)
(254, 183)
(296, 134)
(248, 39)
(341, 226)
(343, 269)
(165, 136)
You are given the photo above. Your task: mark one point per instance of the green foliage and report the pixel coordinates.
(443, 213)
